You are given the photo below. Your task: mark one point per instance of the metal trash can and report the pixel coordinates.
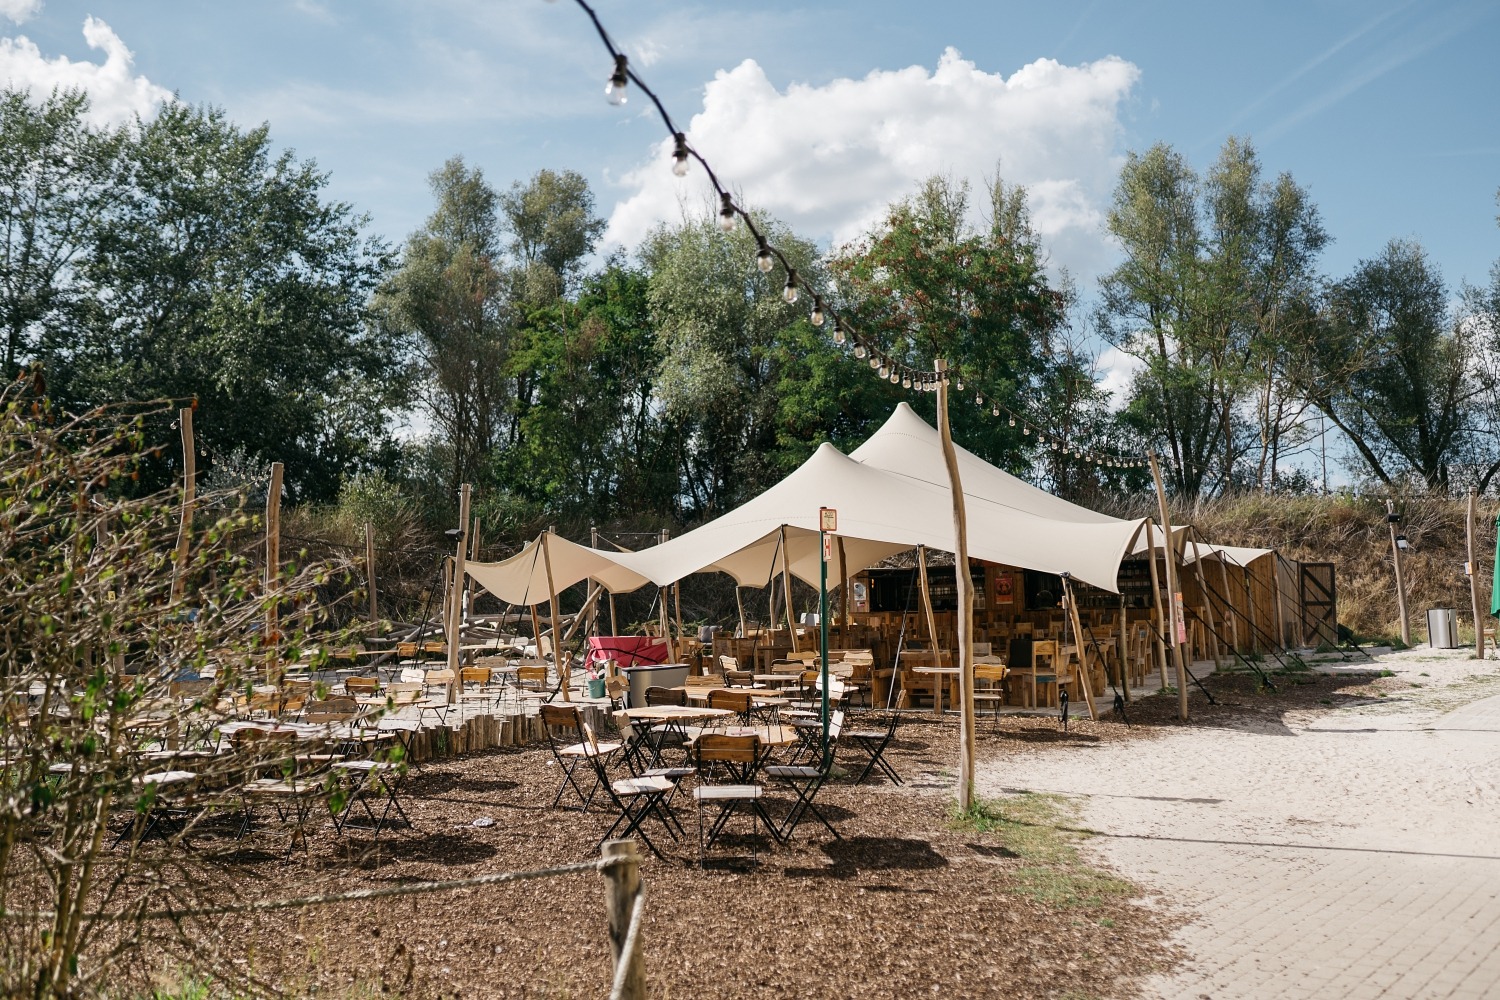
(1442, 628)
(646, 675)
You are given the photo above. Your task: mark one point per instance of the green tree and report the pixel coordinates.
(553, 229)
(1214, 271)
(924, 286)
(56, 180)
(219, 272)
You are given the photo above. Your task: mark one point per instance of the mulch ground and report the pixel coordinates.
(908, 902)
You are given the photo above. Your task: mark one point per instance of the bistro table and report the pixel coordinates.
(937, 688)
(672, 719)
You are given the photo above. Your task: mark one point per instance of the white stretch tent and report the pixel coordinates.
(522, 579)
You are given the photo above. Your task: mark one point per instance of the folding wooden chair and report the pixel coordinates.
(571, 756)
(739, 756)
(872, 745)
(637, 798)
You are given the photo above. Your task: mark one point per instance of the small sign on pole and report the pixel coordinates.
(827, 547)
(1181, 618)
(828, 518)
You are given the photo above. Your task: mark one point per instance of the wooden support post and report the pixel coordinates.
(664, 594)
(927, 600)
(456, 593)
(1160, 628)
(622, 889)
(786, 586)
(1171, 566)
(844, 622)
(739, 603)
(1083, 660)
(370, 569)
(189, 494)
(273, 575)
(1122, 653)
(473, 557)
(1391, 519)
(1473, 567)
(1281, 601)
(1250, 609)
(1234, 619)
(1208, 602)
(593, 626)
(964, 616)
(564, 674)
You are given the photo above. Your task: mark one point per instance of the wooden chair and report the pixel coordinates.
(737, 757)
(992, 676)
(1037, 676)
(361, 687)
(532, 677)
(564, 723)
(735, 701)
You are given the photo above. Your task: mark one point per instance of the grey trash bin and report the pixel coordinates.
(1442, 628)
(644, 675)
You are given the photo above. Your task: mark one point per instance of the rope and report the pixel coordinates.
(384, 892)
(627, 949)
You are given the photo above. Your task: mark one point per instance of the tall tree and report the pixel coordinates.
(553, 229)
(219, 272)
(449, 297)
(925, 285)
(1214, 270)
(56, 180)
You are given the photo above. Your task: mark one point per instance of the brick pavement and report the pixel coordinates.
(1344, 855)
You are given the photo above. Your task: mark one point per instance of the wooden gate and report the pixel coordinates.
(1318, 599)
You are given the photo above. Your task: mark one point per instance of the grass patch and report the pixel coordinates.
(1039, 830)
(1386, 673)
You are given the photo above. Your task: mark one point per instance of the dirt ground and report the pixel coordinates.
(910, 901)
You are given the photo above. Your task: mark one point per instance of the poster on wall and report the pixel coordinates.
(1004, 594)
(861, 596)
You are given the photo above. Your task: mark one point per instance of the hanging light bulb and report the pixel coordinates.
(875, 363)
(1013, 420)
(838, 333)
(790, 291)
(960, 383)
(763, 257)
(859, 350)
(895, 378)
(817, 318)
(994, 411)
(1025, 431)
(906, 381)
(680, 156)
(614, 90)
(978, 396)
(727, 216)
(882, 371)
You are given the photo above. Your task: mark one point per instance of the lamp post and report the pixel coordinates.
(1398, 545)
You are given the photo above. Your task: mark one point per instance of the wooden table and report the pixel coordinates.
(937, 688)
(762, 700)
(671, 713)
(778, 680)
(770, 736)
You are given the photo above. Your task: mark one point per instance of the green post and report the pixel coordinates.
(823, 633)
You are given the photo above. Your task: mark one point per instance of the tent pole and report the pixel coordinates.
(1473, 568)
(1391, 519)
(927, 600)
(189, 493)
(1120, 648)
(370, 568)
(739, 603)
(593, 626)
(965, 611)
(473, 557)
(1160, 627)
(1208, 603)
(1083, 671)
(843, 596)
(1234, 619)
(1280, 601)
(564, 674)
(1171, 564)
(456, 611)
(273, 570)
(786, 585)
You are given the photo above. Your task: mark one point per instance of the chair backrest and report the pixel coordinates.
(728, 663)
(331, 710)
(438, 678)
(787, 666)
(989, 672)
(413, 675)
(531, 675)
(656, 695)
(735, 701)
(982, 649)
(616, 687)
(561, 717)
(355, 686)
(624, 725)
(720, 748)
(475, 675)
(1044, 649)
(704, 681)
(1024, 628)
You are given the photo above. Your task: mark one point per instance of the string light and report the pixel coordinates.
(731, 215)
(614, 90)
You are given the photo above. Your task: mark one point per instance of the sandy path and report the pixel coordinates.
(1347, 853)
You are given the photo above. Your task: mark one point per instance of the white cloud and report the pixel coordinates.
(19, 10)
(114, 91)
(828, 159)
(1115, 370)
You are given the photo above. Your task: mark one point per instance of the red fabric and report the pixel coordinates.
(628, 650)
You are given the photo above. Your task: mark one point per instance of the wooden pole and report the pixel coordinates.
(1250, 601)
(564, 674)
(844, 622)
(1234, 619)
(473, 557)
(1083, 663)
(189, 494)
(1171, 565)
(456, 593)
(593, 627)
(1160, 628)
(739, 603)
(1390, 520)
(1121, 651)
(1473, 568)
(1208, 602)
(370, 569)
(622, 887)
(927, 600)
(786, 586)
(666, 618)
(965, 610)
(1281, 601)
(273, 574)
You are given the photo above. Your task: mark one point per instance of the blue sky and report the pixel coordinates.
(824, 112)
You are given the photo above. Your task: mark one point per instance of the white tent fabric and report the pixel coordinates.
(1235, 555)
(522, 579)
(879, 514)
